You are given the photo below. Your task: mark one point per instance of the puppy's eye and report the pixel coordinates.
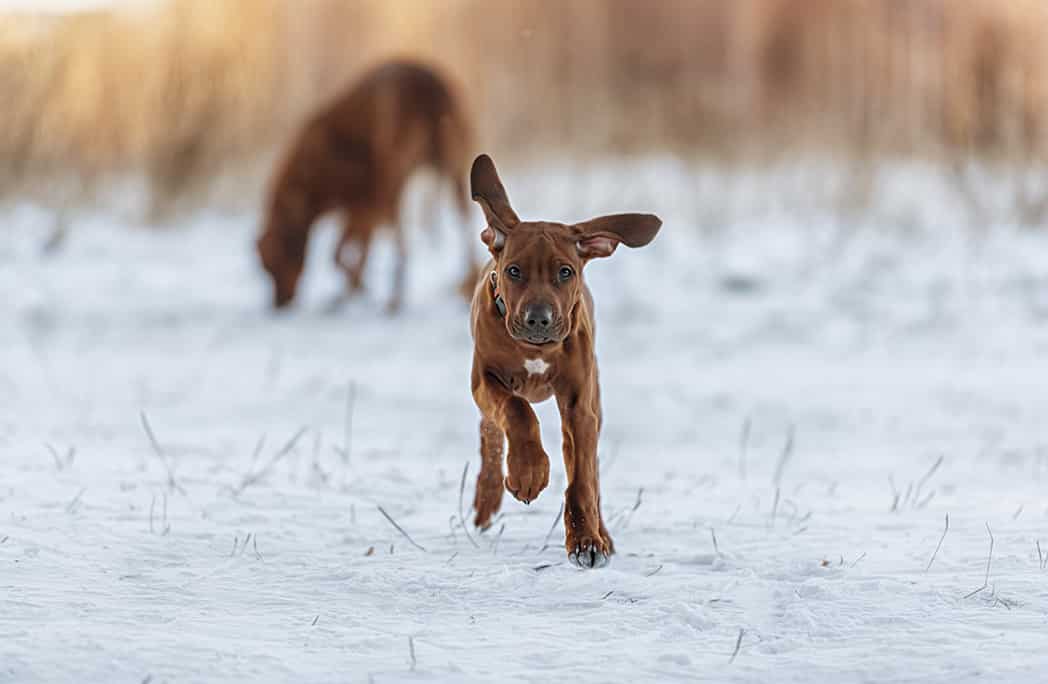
(566, 272)
(513, 272)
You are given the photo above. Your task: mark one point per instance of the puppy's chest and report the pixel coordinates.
(532, 379)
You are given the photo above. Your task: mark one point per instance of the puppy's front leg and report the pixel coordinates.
(527, 462)
(587, 540)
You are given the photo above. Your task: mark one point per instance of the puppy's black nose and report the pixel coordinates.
(538, 317)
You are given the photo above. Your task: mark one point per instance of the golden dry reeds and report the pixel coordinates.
(184, 90)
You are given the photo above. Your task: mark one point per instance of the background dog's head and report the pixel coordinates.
(282, 250)
(538, 264)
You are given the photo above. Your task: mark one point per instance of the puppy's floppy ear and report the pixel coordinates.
(600, 236)
(488, 192)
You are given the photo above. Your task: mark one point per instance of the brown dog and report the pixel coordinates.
(533, 332)
(356, 156)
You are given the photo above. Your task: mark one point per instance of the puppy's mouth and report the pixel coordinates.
(537, 339)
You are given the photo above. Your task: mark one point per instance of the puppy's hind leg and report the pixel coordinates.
(488, 498)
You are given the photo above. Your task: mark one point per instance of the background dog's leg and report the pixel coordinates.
(351, 254)
(431, 210)
(586, 537)
(488, 498)
(400, 267)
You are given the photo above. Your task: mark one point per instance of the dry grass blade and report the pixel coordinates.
(784, 457)
(167, 525)
(627, 516)
(462, 516)
(560, 515)
(498, 538)
(289, 445)
(906, 496)
(989, 560)
(54, 455)
(896, 496)
(171, 482)
(738, 645)
(939, 545)
(400, 529)
(61, 461)
(259, 445)
(927, 476)
(411, 651)
(253, 478)
(925, 501)
(72, 505)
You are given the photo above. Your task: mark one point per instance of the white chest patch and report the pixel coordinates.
(535, 366)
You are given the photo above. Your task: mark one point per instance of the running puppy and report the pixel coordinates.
(355, 156)
(533, 333)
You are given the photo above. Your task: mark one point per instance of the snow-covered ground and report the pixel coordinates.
(795, 400)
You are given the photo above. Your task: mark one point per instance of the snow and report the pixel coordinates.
(779, 381)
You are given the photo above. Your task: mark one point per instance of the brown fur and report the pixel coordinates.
(538, 266)
(355, 156)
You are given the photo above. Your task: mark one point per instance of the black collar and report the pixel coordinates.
(500, 303)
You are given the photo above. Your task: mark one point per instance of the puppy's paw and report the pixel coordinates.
(589, 551)
(586, 537)
(528, 469)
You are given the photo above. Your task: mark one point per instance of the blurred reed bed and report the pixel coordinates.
(180, 92)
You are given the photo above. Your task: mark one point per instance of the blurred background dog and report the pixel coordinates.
(356, 156)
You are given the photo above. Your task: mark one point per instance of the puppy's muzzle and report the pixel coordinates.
(537, 325)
